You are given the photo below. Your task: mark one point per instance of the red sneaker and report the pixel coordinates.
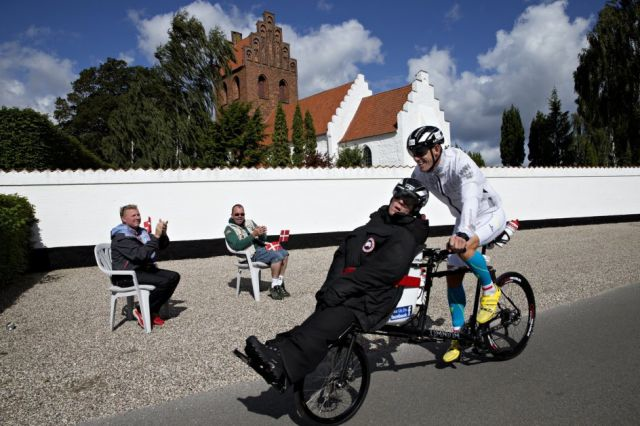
(156, 320)
(138, 316)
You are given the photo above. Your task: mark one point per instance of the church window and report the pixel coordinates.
(236, 87)
(283, 92)
(366, 155)
(224, 95)
(263, 91)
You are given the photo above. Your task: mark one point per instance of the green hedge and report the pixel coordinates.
(17, 216)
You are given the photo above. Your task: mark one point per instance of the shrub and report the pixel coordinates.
(350, 157)
(17, 216)
(29, 141)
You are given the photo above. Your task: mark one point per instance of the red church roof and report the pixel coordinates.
(322, 107)
(377, 114)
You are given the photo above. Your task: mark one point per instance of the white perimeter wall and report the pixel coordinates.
(79, 208)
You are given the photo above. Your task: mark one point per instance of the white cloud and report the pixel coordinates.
(31, 78)
(127, 56)
(154, 32)
(324, 5)
(453, 14)
(320, 68)
(539, 53)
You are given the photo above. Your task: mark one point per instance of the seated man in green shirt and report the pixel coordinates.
(241, 233)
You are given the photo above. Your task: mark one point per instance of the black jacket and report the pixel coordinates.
(381, 253)
(129, 253)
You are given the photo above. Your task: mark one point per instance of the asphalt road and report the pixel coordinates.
(582, 366)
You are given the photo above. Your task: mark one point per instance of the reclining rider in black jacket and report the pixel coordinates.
(359, 288)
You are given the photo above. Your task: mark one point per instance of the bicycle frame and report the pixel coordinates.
(420, 333)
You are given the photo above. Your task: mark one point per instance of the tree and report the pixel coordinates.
(350, 157)
(559, 129)
(538, 142)
(193, 64)
(311, 156)
(607, 79)
(512, 138)
(583, 149)
(236, 138)
(477, 158)
(85, 112)
(28, 140)
(279, 155)
(298, 138)
(140, 129)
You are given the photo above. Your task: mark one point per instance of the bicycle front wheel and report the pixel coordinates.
(335, 390)
(508, 333)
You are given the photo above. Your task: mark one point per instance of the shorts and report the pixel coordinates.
(488, 226)
(269, 256)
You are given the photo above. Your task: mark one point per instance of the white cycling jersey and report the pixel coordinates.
(458, 182)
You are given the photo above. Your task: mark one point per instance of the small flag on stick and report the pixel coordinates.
(147, 224)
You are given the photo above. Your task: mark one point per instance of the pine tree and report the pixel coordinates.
(512, 138)
(279, 155)
(298, 138)
(236, 137)
(559, 132)
(310, 144)
(538, 141)
(477, 158)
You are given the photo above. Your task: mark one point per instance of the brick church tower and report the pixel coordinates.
(264, 72)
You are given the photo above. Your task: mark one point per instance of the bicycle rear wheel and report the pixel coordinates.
(508, 333)
(335, 390)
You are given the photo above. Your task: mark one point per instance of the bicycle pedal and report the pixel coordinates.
(242, 356)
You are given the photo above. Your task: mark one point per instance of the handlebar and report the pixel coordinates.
(434, 255)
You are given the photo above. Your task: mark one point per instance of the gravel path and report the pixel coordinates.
(62, 364)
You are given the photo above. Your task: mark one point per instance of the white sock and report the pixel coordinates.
(489, 289)
(275, 282)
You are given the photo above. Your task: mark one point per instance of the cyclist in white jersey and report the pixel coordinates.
(455, 179)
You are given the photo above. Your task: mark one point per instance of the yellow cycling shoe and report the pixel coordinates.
(488, 307)
(453, 353)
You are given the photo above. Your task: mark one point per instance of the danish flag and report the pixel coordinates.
(284, 236)
(273, 246)
(147, 224)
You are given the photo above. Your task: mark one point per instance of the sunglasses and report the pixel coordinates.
(418, 151)
(238, 214)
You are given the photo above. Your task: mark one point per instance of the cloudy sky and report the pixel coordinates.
(482, 55)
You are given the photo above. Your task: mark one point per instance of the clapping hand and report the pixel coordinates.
(161, 228)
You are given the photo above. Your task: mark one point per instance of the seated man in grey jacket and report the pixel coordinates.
(133, 248)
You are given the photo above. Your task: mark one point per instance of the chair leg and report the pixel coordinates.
(255, 283)
(113, 310)
(144, 307)
(238, 282)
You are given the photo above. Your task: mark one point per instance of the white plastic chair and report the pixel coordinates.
(244, 263)
(103, 259)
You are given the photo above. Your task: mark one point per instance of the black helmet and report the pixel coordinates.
(422, 139)
(413, 192)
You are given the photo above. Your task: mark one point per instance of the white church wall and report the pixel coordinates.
(340, 121)
(322, 144)
(421, 109)
(384, 149)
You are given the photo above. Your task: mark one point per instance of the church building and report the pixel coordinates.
(349, 115)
